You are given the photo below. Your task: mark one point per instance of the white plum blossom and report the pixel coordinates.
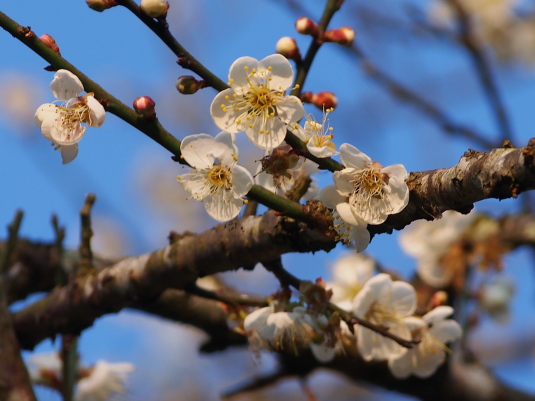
(349, 274)
(256, 102)
(216, 179)
(268, 328)
(104, 381)
(354, 233)
(61, 123)
(434, 331)
(371, 191)
(385, 303)
(99, 382)
(428, 241)
(317, 136)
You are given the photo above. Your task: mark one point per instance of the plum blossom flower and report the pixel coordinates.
(296, 329)
(256, 102)
(317, 136)
(434, 331)
(371, 191)
(353, 233)
(216, 179)
(428, 241)
(349, 273)
(99, 382)
(384, 303)
(61, 123)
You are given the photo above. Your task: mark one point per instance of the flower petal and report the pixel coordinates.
(330, 196)
(446, 331)
(282, 74)
(403, 298)
(343, 180)
(242, 180)
(65, 85)
(223, 114)
(222, 206)
(226, 150)
(290, 110)
(46, 112)
(238, 74)
(198, 150)
(352, 157)
(438, 314)
(68, 153)
(267, 136)
(97, 114)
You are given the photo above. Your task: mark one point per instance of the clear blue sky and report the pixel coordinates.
(139, 200)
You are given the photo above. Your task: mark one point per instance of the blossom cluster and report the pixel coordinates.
(388, 305)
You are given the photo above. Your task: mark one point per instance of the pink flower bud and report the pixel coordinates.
(50, 42)
(288, 48)
(437, 299)
(145, 106)
(306, 26)
(101, 5)
(155, 8)
(322, 100)
(188, 85)
(343, 36)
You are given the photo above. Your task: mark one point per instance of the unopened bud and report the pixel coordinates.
(145, 106)
(101, 5)
(288, 48)
(322, 100)
(50, 42)
(439, 298)
(155, 8)
(343, 36)
(306, 26)
(188, 85)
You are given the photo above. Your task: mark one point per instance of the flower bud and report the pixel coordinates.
(343, 36)
(50, 42)
(155, 8)
(306, 26)
(288, 48)
(439, 298)
(145, 106)
(322, 100)
(188, 85)
(101, 5)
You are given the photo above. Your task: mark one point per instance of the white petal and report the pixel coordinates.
(242, 180)
(433, 273)
(438, 314)
(226, 150)
(361, 237)
(97, 113)
(446, 331)
(65, 85)
(323, 151)
(237, 72)
(198, 150)
(403, 298)
(427, 363)
(258, 318)
(370, 293)
(343, 180)
(64, 135)
(222, 206)
(275, 132)
(290, 110)
(225, 120)
(401, 367)
(330, 196)
(68, 153)
(46, 112)
(323, 353)
(352, 157)
(281, 71)
(346, 213)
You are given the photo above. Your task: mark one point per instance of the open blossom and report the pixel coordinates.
(317, 136)
(349, 273)
(372, 191)
(216, 179)
(354, 233)
(385, 303)
(61, 123)
(434, 331)
(256, 102)
(428, 241)
(291, 330)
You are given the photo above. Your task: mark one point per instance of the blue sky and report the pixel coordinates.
(139, 200)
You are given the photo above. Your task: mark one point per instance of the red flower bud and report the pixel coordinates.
(322, 100)
(50, 42)
(145, 106)
(155, 8)
(306, 26)
(288, 48)
(101, 5)
(343, 36)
